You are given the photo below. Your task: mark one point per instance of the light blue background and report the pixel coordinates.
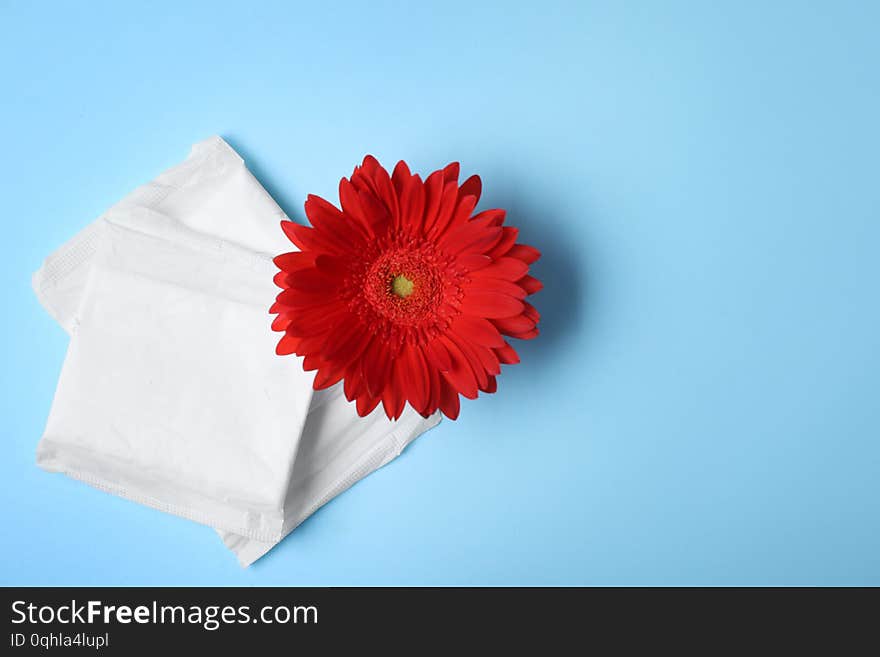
(703, 406)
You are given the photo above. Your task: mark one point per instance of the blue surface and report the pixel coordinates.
(702, 178)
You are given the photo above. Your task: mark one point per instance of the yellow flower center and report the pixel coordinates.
(401, 286)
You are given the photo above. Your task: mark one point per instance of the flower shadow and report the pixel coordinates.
(562, 267)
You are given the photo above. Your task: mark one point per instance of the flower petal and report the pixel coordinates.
(478, 330)
(473, 186)
(513, 325)
(349, 198)
(460, 374)
(280, 323)
(490, 304)
(286, 345)
(394, 397)
(353, 383)
(327, 218)
(415, 378)
(507, 355)
(437, 355)
(510, 269)
(530, 284)
(313, 281)
(488, 359)
(508, 238)
(448, 401)
(348, 343)
(377, 215)
(528, 335)
(464, 207)
(412, 203)
(433, 193)
(385, 190)
(450, 172)
(294, 261)
(311, 343)
(366, 404)
(531, 312)
(447, 208)
(364, 176)
(336, 267)
(376, 363)
(309, 239)
(326, 376)
(470, 238)
(417, 204)
(498, 285)
(524, 252)
(495, 216)
(400, 177)
(295, 298)
(318, 320)
(473, 360)
(471, 262)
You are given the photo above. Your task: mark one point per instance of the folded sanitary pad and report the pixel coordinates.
(171, 393)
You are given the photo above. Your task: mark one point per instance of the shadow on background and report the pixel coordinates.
(563, 264)
(284, 198)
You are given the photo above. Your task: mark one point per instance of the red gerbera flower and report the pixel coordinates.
(405, 293)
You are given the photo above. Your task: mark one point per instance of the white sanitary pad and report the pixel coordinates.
(171, 393)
